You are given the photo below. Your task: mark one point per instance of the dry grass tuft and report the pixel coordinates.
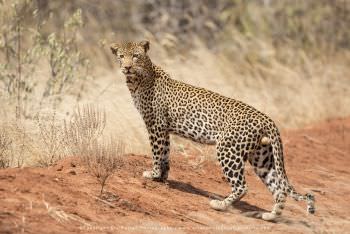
(83, 138)
(18, 144)
(52, 138)
(103, 158)
(5, 143)
(71, 138)
(85, 127)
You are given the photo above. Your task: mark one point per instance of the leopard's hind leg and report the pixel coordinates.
(264, 166)
(232, 159)
(263, 163)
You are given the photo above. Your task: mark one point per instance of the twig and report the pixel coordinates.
(319, 191)
(104, 201)
(191, 219)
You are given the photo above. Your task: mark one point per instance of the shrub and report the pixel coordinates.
(103, 158)
(5, 143)
(52, 140)
(85, 127)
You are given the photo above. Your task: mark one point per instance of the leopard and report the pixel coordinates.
(240, 133)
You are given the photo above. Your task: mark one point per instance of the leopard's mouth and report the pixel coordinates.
(128, 73)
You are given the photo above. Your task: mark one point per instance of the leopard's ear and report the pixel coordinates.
(145, 45)
(114, 48)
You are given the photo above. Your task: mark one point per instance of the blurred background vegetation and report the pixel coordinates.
(317, 26)
(288, 58)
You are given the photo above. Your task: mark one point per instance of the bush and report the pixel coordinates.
(103, 158)
(85, 127)
(5, 143)
(52, 140)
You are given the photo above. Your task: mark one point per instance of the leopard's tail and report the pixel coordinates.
(277, 149)
(308, 197)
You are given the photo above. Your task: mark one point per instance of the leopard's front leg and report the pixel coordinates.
(160, 144)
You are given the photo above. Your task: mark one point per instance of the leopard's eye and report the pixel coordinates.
(121, 56)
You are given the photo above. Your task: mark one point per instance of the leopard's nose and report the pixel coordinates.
(127, 67)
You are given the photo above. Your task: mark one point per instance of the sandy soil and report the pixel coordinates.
(63, 198)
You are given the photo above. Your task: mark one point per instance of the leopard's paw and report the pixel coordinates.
(147, 174)
(268, 216)
(153, 176)
(218, 205)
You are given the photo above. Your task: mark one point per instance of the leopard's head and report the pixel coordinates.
(133, 58)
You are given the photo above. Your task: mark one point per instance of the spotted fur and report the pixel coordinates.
(240, 132)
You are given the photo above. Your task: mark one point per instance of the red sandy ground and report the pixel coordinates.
(62, 198)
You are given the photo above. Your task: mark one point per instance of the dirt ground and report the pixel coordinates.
(63, 198)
